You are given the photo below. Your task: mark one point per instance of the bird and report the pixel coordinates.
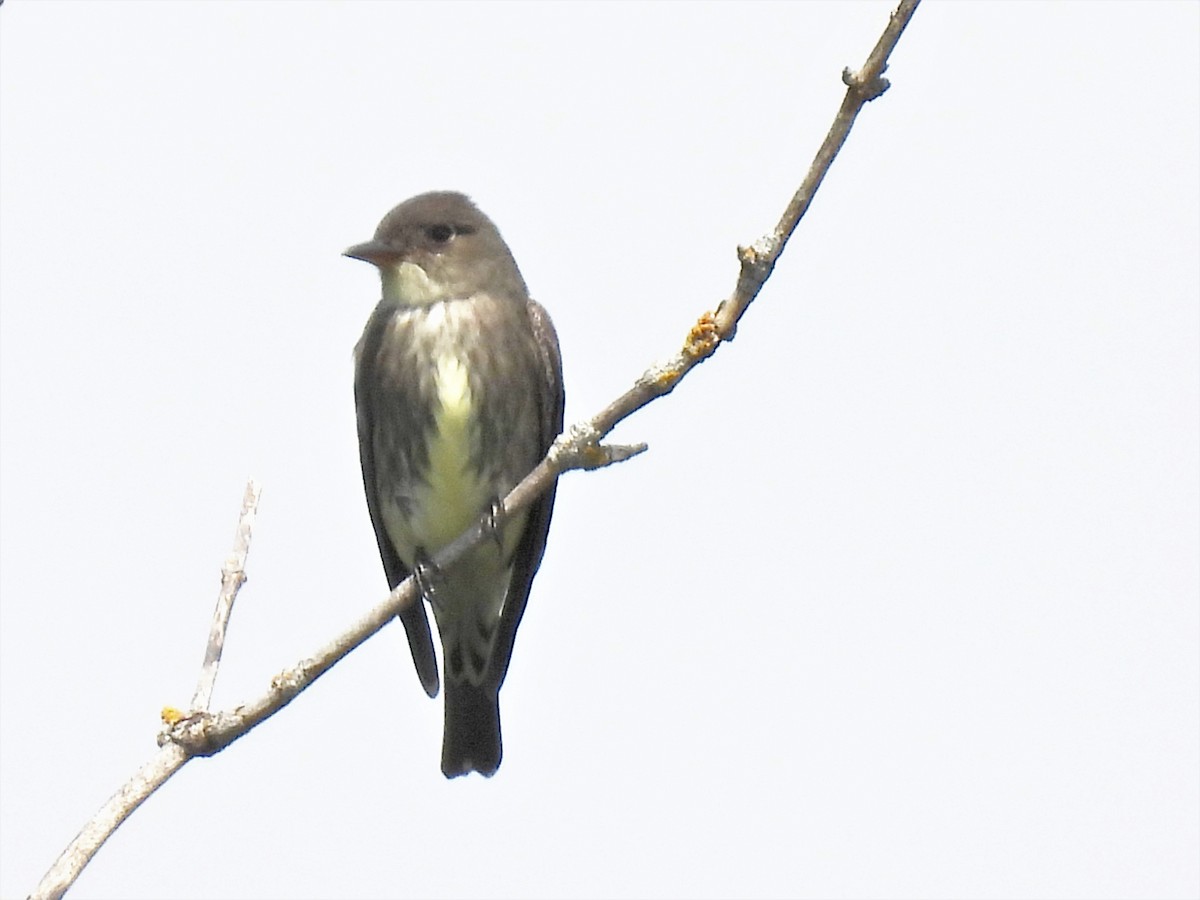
(458, 392)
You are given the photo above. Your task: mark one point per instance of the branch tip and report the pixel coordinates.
(597, 456)
(621, 452)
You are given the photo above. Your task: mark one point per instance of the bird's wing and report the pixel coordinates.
(366, 402)
(528, 555)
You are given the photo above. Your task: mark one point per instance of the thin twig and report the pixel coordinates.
(171, 756)
(149, 778)
(233, 576)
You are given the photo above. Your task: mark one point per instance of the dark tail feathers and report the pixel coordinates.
(471, 741)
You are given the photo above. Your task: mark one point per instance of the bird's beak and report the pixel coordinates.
(374, 252)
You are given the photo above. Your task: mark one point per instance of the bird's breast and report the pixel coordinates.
(451, 491)
(447, 480)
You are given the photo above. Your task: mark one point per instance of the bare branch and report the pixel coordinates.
(201, 733)
(758, 260)
(80, 851)
(233, 576)
(171, 756)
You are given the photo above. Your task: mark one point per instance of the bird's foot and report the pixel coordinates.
(491, 522)
(428, 575)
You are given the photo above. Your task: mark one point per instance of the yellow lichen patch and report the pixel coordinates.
(665, 378)
(703, 338)
(593, 456)
(172, 716)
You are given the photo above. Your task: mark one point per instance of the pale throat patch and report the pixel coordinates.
(408, 285)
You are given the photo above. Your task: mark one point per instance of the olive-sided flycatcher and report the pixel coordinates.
(458, 387)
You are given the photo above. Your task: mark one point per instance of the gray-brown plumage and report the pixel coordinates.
(458, 387)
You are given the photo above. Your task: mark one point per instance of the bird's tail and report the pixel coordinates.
(471, 741)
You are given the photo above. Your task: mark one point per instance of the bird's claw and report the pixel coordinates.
(427, 575)
(491, 521)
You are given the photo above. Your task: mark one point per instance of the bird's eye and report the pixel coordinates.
(440, 234)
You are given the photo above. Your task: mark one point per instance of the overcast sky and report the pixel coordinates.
(903, 600)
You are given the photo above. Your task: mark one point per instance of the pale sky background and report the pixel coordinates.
(902, 602)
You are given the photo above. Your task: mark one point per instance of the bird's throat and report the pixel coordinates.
(407, 284)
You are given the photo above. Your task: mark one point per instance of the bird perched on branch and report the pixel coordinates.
(459, 394)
